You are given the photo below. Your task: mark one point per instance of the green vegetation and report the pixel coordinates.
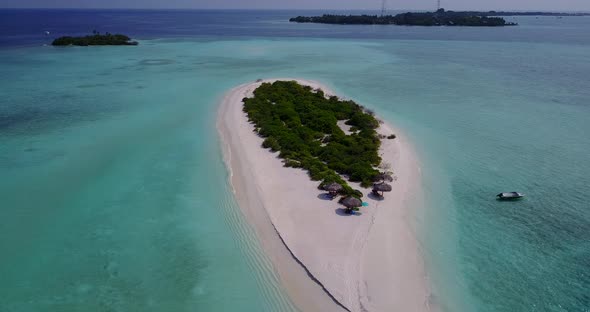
(94, 39)
(527, 13)
(301, 124)
(438, 18)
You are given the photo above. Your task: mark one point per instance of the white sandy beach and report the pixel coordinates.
(327, 260)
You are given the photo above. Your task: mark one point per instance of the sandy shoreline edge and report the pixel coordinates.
(326, 261)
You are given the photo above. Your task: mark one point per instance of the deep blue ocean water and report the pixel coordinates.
(114, 197)
(27, 27)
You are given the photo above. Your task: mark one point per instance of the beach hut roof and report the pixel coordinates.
(333, 187)
(382, 187)
(351, 202)
(384, 177)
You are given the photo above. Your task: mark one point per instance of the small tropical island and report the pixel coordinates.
(526, 13)
(303, 125)
(292, 147)
(96, 39)
(438, 18)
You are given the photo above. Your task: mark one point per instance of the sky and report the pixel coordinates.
(544, 5)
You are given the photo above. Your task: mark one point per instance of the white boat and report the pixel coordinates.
(510, 195)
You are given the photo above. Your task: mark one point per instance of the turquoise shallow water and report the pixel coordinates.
(114, 194)
(115, 197)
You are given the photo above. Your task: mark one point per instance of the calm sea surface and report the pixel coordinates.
(114, 196)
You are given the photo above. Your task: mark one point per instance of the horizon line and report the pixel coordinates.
(284, 9)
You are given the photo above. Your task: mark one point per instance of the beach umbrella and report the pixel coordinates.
(333, 187)
(382, 187)
(384, 177)
(351, 202)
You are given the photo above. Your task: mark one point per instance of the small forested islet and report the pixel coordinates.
(302, 124)
(96, 39)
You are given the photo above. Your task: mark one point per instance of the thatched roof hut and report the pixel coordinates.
(333, 187)
(384, 177)
(381, 187)
(351, 202)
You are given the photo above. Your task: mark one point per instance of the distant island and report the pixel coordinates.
(438, 18)
(96, 39)
(502, 13)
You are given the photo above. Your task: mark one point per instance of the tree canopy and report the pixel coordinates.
(438, 18)
(94, 39)
(301, 124)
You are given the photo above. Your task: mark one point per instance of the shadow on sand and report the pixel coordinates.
(342, 212)
(375, 197)
(325, 196)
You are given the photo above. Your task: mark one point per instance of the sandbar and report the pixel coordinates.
(327, 260)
